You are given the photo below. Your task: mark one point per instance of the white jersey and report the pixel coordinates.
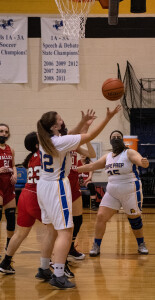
(57, 168)
(120, 168)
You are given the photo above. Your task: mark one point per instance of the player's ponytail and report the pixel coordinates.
(45, 133)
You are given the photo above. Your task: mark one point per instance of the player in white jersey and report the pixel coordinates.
(124, 189)
(53, 188)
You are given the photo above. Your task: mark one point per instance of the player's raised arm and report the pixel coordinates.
(89, 116)
(85, 138)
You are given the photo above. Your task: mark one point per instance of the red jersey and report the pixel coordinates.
(73, 177)
(6, 157)
(82, 176)
(33, 172)
(7, 191)
(74, 160)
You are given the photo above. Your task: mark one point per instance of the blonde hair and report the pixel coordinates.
(44, 132)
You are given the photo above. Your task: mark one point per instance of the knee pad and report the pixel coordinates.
(10, 217)
(1, 207)
(91, 187)
(136, 223)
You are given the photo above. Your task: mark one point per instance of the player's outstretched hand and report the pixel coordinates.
(145, 162)
(111, 113)
(89, 116)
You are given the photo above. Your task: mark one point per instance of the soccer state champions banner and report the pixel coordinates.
(60, 54)
(13, 49)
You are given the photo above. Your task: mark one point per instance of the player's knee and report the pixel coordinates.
(1, 207)
(136, 223)
(11, 219)
(101, 218)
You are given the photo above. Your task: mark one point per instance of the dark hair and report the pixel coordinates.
(44, 132)
(30, 142)
(87, 160)
(116, 131)
(123, 146)
(3, 124)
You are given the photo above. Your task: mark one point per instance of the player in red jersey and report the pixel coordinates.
(8, 178)
(28, 207)
(77, 198)
(75, 187)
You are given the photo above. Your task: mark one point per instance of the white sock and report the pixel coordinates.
(59, 269)
(44, 263)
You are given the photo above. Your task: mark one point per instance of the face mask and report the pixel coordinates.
(117, 145)
(3, 139)
(63, 130)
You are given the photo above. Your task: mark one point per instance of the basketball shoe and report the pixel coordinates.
(95, 251)
(142, 249)
(44, 274)
(6, 267)
(75, 255)
(61, 282)
(93, 205)
(68, 272)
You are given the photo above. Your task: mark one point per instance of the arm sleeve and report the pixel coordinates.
(67, 142)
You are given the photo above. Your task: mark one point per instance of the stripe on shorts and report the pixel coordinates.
(134, 169)
(138, 193)
(64, 202)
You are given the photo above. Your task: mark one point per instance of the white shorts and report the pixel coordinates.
(127, 195)
(55, 201)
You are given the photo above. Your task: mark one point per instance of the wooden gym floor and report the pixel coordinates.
(119, 273)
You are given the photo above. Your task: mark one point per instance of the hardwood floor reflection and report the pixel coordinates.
(119, 273)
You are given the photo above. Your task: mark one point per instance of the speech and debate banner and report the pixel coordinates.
(60, 54)
(13, 49)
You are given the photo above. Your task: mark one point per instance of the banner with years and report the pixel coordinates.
(13, 49)
(60, 54)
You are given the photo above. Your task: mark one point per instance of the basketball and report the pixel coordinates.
(113, 89)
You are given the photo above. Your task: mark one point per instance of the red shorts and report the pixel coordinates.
(75, 188)
(7, 190)
(28, 208)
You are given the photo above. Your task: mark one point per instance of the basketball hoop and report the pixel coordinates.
(74, 15)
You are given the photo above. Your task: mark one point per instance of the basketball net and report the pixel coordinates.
(74, 15)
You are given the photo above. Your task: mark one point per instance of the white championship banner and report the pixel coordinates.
(60, 54)
(13, 49)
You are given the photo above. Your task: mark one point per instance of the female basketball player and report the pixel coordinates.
(124, 189)
(77, 199)
(8, 178)
(53, 188)
(28, 210)
(75, 187)
(77, 206)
